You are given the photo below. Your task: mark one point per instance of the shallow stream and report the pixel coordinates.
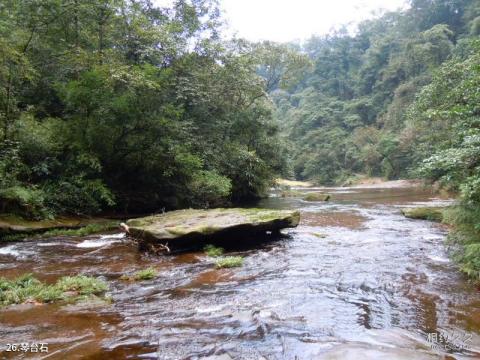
(356, 280)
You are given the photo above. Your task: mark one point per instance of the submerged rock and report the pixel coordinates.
(183, 227)
(317, 197)
(424, 213)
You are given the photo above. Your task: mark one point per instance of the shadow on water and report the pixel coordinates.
(354, 280)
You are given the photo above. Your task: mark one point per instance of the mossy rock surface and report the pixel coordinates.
(191, 224)
(424, 213)
(316, 197)
(10, 224)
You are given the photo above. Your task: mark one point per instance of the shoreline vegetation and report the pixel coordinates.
(26, 289)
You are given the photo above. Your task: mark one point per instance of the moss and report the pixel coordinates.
(317, 197)
(263, 215)
(141, 275)
(465, 238)
(83, 285)
(14, 228)
(424, 213)
(17, 220)
(83, 231)
(27, 288)
(229, 262)
(176, 230)
(213, 251)
(204, 223)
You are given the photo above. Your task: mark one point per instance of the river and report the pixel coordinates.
(355, 280)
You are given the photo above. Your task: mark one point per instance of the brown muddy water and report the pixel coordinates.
(356, 280)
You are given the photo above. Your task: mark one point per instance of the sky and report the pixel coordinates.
(289, 20)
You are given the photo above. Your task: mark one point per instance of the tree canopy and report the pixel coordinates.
(115, 105)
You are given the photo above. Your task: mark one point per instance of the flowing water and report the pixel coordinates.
(355, 280)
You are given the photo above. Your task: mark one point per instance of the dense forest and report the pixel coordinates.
(354, 112)
(123, 106)
(109, 105)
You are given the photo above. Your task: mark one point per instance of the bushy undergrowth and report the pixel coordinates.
(83, 231)
(27, 288)
(24, 200)
(145, 274)
(213, 251)
(465, 238)
(229, 262)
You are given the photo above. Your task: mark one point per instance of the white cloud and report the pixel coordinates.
(286, 20)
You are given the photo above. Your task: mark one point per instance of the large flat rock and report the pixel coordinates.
(424, 213)
(178, 226)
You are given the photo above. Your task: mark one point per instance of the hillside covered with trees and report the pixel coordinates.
(351, 113)
(398, 99)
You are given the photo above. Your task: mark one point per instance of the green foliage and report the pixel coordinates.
(136, 109)
(142, 275)
(83, 285)
(314, 196)
(445, 118)
(425, 213)
(146, 274)
(78, 196)
(213, 251)
(281, 65)
(27, 201)
(27, 288)
(83, 231)
(250, 175)
(229, 262)
(209, 189)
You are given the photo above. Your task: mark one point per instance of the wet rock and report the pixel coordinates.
(182, 227)
(317, 197)
(424, 213)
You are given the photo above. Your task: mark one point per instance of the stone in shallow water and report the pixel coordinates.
(424, 213)
(184, 226)
(316, 197)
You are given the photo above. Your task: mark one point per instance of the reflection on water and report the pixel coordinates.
(355, 280)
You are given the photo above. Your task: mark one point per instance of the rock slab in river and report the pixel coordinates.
(424, 213)
(314, 196)
(192, 224)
